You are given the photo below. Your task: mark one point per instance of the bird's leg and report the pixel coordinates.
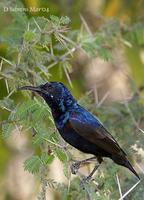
(88, 178)
(76, 165)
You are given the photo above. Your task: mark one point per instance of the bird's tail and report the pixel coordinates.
(129, 166)
(122, 160)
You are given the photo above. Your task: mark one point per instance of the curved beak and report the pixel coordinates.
(32, 88)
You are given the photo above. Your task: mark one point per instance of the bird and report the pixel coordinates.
(80, 128)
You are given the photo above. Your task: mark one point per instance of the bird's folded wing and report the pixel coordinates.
(95, 133)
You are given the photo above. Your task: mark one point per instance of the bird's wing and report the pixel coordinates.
(92, 130)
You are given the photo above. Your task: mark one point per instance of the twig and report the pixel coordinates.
(67, 39)
(67, 75)
(132, 188)
(7, 61)
(43, 173)
(10, 93)
(96, 95)
(86, 25)
(8, 122)
(103, 99)
(20, 54)
(131, 114)
(141, 169)
(43, 176)
(1, 64)
(6, 108)
(28, 27)
(140, 130)
(7, 86)
(69, 181)
(88, 193)
(63, 42)
(119, 186)
(62, 58)
(132, 117)
(51, 49)
(37, 25)
(58, 145)
(17, 128)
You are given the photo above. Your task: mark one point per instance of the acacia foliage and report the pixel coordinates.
(34, 46)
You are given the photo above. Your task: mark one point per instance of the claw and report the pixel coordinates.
(74, 167)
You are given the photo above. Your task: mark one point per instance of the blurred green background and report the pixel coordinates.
(113, 82)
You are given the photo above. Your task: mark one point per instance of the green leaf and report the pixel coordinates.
(40, 113)
(33, 164)
(38, 139)
(30, 110)
(66, 169)
(43, 133)
(7, 129)
(7, 103)
(61, 155)
(55, 19)
(46, 159)
(65, 20)
(29, 36)
(136, 35)
(105, 54)
(22, 110)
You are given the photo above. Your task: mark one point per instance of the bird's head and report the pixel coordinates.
(54, 93)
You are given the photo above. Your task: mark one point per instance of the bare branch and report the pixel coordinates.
(119, 186)
(131, 189)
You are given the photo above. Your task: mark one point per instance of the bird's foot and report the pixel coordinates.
(85, 180)
(75, 167)
(77, 164)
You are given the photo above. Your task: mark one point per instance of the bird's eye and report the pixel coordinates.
(49, 86)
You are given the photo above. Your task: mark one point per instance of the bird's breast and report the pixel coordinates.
(61, 121)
